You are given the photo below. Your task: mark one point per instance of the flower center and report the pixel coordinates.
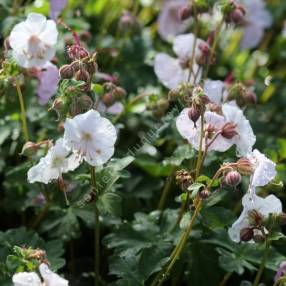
(86, 136)
(57, 161)
(36, 49)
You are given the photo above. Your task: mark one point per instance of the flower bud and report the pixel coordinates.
(204, 194)
(194, 113)
(246, 234)
(119, 93)
(128, 22)
(184, 179)
(250, 97)
(82, 75)
(108, 99)
(162, 104)
(76, 52)
(92, 68)
(229, 130)
(85, 102)
(185, 12)
(173, 94)
(237, 15)
(29, 149)
(232, 178)
(66, 72)
(244, 166)
(258, 238)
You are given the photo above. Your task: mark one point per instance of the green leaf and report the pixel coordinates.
(195, 188)
(110, 203)
(183, 152)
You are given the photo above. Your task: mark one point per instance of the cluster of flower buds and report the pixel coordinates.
(112, 93)
(184, 179)
(241, 94)
(190, 10)
(82, 67)
(234, 12)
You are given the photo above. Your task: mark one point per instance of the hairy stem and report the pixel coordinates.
(166, 190)
(23, 111)
(225, 279)
(162, 276)
(96, 231)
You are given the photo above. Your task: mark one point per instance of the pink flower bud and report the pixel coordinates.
(204, 194)
(76, 52)
(108, 99)
(29, 149)
(185, 12)
(232, 178)
(66, 72)
(194, 113)
(82, 75)
(244, 166)
(229, 130)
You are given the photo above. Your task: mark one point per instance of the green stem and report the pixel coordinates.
(199, 161)
(23, 111)
(265, 254)
(225, 279)
(162, 276)
(166, 190)
(96, 232)
(262, 264)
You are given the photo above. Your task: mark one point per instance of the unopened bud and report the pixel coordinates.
(119, 92)
(204, 194)
(232, 178)
(82, 75)
(185, 12)
(246, 234)
(91, 67)
(108, 99)
(237, 15)
(29, 149)
(250, 97)
(258, 238)
(244, 166)
(66, 72)
(229, 130)
(76, 52)
(184, 179)
(204, 55)
(194, 113)
(162, 104)
(85, 102)
(173, 94)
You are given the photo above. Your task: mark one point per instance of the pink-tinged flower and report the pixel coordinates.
(264, 169)
(48, 82)
(114, 109)
(173, 71)
(245, 138)
(33, 41)
(281, 271)
(91, 136)
(56, 7)
(169, 22)
(213, 124)
(257, 19)
(58, 160)
(262, 207)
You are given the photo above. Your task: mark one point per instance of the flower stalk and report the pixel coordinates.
(23, 110)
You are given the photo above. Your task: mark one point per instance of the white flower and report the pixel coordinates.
(26, 279)
(59, 160)
(32, 279)
(215, 91)
(51, 278)
(250, 201)
(173, 71)
(264, 169)
(257, 19)
(192, 132)
(245, 138)
(91, 136)
(115, 109)
(33, 41)
(169, 22)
